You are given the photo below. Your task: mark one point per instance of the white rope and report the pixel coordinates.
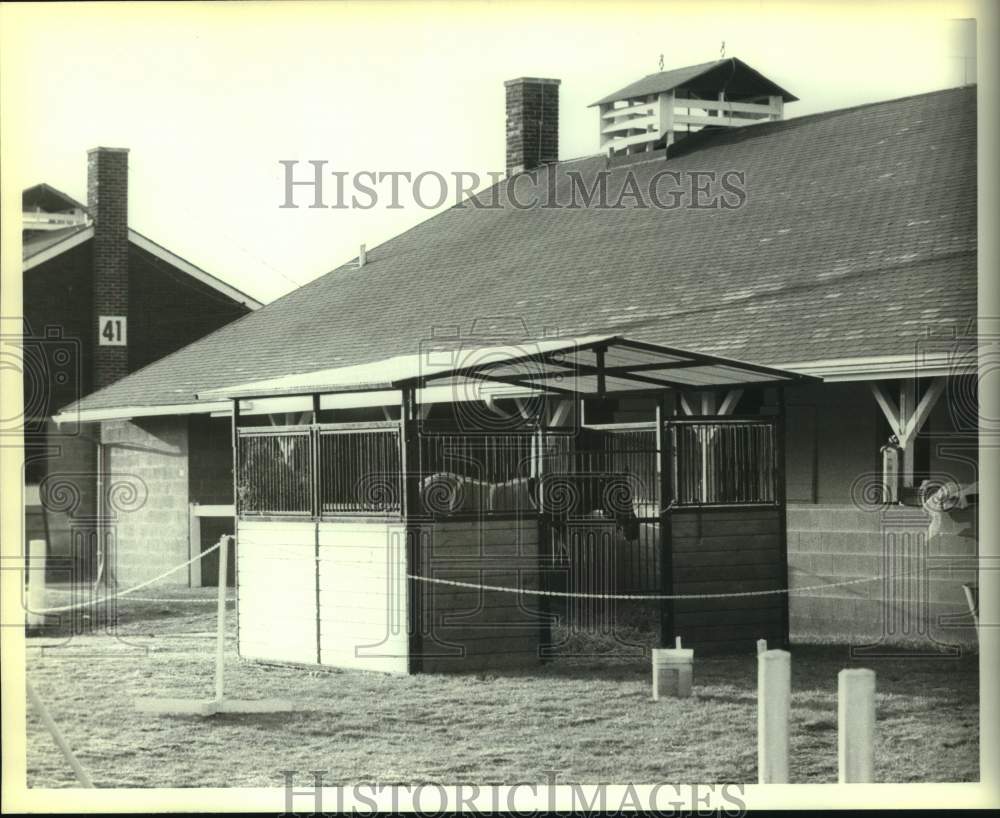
(533, 592)
(134, 588)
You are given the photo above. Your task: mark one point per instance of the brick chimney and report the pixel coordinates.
(532, 123)
(107, 200)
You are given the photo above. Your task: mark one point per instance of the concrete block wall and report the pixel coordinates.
(836, 543)
(148, 494)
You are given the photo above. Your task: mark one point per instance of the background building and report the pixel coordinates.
(101, 301)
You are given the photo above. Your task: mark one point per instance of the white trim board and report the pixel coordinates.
(197, 273)
(57, 249)
(889, 367)
(265, 406)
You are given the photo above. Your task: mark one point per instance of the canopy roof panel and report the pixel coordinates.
(592, 365)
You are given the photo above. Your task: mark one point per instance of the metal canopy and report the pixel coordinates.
(593, 365)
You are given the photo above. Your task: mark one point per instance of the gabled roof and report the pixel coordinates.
(856, 239)
(38, 248)
(49, 243)
(739, 80)
(48, 199)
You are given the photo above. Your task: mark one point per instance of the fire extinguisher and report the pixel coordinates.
(892, 455)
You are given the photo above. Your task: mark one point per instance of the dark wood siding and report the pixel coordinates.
(467, 629)
(729, 551)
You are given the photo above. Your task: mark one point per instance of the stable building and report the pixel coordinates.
(101, 301)
(843, 260)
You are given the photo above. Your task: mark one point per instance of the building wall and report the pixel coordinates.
(468, 629)
(211, 454)
(728, 551)
(57, 299)
(335, 594)
(833, 436)
(210, 483)
(148, 496)
(168, 309)
(839, 533)
(276, 581)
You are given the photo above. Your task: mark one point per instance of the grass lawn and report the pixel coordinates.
(590, 719)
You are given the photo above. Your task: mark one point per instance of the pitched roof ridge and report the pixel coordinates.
(774, 124)
(57, 192)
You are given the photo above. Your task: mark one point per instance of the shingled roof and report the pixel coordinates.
(858, 236)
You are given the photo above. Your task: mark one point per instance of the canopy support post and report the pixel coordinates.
(664, 461)
(409, 460)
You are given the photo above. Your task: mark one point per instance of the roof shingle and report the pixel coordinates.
(857, 236)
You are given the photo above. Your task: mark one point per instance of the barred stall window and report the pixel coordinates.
(728, 462)
(274, 477)
(359, 471)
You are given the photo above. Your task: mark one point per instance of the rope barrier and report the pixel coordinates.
(571, 594)
(134, 588)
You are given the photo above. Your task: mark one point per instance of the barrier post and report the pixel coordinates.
(761, 646)
(774, 690)
(856, 726)
(220, 640)
(36, 583)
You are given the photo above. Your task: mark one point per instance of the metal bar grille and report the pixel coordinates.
(724, 463)
(462, 474)
(359, 471)
(274, 474)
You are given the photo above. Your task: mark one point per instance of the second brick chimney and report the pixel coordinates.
(107, 200)
(532, 123)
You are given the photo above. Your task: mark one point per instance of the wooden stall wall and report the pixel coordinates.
(276, 590)
(465, 629)
(362, 596)
(725, 551)
(329, 593)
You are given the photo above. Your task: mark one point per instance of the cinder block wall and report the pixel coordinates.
(833, 544)
(834, 435)
(148, 493)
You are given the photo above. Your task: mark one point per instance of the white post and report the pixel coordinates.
(761, 646)
(774, 690)
(777, 106)
(856, 726)
(194, 545)
(220, 642)
(36, 583)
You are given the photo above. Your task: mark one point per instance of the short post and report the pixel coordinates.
(761, 646)
(774, 691)
(220, 640)
(36, 583)
(856, 726)
(673, 671)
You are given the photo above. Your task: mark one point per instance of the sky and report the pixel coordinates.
(210, 98)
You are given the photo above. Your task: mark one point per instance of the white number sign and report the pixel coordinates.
(112, 330)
